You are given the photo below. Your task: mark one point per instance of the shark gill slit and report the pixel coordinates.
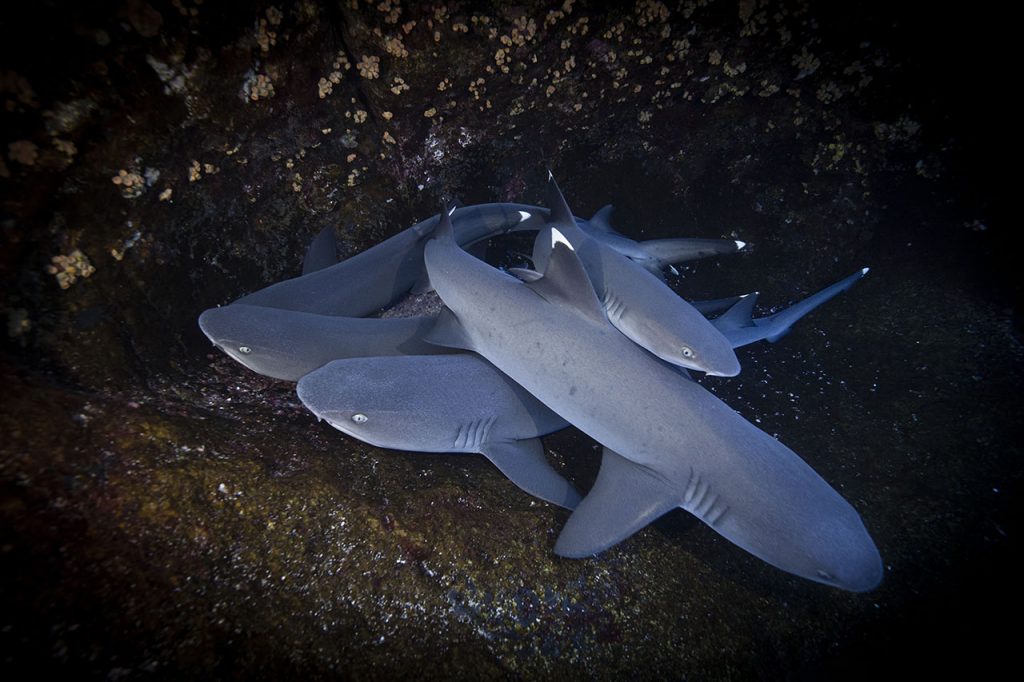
(612, 304)
(473, 434)
(699, 500)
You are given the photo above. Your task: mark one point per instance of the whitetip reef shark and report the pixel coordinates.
(676, 443)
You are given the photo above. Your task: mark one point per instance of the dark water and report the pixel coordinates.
(167, 513)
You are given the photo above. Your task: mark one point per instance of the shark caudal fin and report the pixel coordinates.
(740, 327)
(322, 252)
(523, 462)
(780, 323)
(626, 497)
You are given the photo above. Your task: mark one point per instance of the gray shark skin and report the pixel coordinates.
(688, 448)
(654, 254)
(741, 328)
(377, 277)
(639, 304)
(443, 403)
(287, 344)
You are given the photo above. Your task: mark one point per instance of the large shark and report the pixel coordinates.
(444, 403)
(681, 445)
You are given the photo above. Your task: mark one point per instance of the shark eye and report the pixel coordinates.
(686, 351)
(359, 418)
(244, 350)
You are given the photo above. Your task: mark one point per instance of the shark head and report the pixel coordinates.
(241, 332)
(376, 401)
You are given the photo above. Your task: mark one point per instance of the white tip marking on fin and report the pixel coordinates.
(864, 271)
(745, 295)
(551, 176)
(523, 215)
(672, 269)
(739, 244)
(451, 211)
(557, 237)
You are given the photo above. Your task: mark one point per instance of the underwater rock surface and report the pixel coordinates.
(166, 512)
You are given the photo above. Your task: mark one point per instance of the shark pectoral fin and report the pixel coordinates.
(448, 332)
(322, 252)
(566, 282)
(626, 497)
(523, 462)
(525, 274)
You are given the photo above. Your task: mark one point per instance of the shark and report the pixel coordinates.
(441, 403)
(673, 443)
(636, 302)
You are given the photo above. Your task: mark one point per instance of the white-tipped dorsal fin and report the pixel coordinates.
(558, 238)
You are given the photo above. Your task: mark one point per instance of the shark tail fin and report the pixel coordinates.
(778, 325)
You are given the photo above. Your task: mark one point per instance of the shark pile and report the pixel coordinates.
(592, 337)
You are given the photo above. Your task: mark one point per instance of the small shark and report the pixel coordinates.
(678, 444)
(637, 303)
(444, 403)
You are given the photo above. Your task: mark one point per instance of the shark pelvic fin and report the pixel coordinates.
(448, 332)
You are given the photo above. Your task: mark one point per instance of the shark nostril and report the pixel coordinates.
(825, 575)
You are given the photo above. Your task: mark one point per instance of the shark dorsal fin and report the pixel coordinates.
(566, 282)
(322, 252)
(601, 221)
(626, 497)
(740, 315)
(444, 230)
(560, 212)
